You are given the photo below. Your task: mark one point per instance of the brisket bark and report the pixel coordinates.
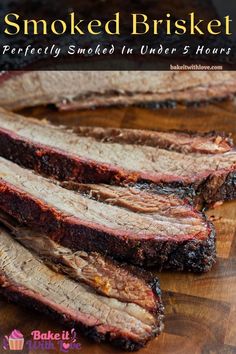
(72, 90)
(205, 163)
(25, 279)
(166, 231)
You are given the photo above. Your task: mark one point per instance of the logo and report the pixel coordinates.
(51, 341)
(15, 341)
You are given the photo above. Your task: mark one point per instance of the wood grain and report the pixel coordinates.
(200, 310)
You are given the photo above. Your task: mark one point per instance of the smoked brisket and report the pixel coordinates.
(86, 89)
(204, 163)
(127, 321)
(105, 276)
(126, 223)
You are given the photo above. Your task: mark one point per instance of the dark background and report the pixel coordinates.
(104, 9)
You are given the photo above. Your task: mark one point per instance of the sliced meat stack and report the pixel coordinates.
(126, 223)
(113, 194)
(206, 163)
(107, 301)
(85, 89)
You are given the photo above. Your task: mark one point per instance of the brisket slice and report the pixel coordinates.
(207, 164)
(25, 279)
(72, 90)
(185, 142)
(105, 276)
(166, 231)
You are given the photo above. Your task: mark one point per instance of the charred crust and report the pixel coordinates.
(217, 188)
(194, 256)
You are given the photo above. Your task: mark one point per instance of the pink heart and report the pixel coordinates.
(66, 346)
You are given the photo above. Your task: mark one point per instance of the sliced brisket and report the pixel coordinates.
(206, 163)
(25, 279)
(166, 231)
(185, 142)
(81, 89)
(108, 278)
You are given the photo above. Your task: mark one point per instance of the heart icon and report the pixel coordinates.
(66, 346)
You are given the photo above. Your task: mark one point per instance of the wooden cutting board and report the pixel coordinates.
(200, 309)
